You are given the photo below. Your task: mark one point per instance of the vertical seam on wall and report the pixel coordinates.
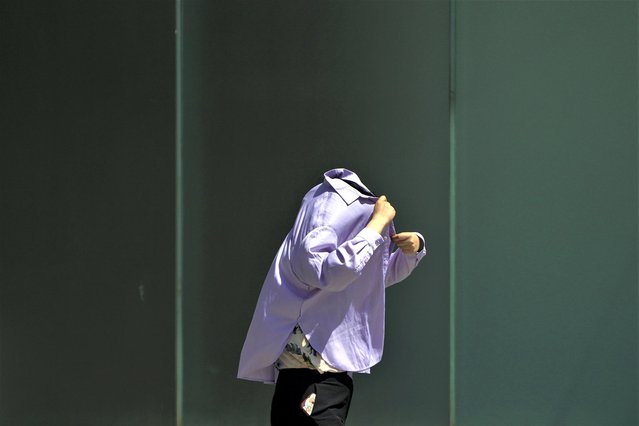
(452, 209)
(637, 157)
(179, 249)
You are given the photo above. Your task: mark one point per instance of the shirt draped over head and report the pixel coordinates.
(329, 276)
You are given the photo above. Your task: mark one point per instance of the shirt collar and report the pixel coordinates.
(336, 178)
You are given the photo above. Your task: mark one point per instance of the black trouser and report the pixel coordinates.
(332, 391)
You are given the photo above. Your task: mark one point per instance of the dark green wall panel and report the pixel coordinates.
(546, 259)
(87, 209)
(275, 93)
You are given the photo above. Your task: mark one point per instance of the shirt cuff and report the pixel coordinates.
(372, 237)
(422, 252)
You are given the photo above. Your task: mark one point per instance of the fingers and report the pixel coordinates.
(382, 201)
(383, 210)
(408, 242)
(402, 236)
(383, 214)
(405, 244)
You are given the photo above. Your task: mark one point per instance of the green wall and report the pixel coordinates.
(87, 142)
(546, 213)
(528, 318)
(276, 93)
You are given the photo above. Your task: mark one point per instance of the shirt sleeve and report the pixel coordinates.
(320, 263)
(401, 265)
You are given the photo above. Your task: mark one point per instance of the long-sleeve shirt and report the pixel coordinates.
(329, 276)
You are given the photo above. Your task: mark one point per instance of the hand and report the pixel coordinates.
(383, 214)
(408, 242)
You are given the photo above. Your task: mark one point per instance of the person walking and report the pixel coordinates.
(320, 314)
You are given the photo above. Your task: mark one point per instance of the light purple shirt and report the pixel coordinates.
(329, 276)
